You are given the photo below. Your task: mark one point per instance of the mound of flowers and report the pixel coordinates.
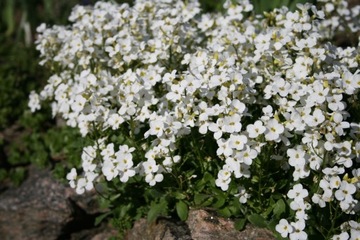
(256, 112)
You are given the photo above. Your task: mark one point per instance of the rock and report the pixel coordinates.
(163, 228)
(200, 225)
(43, 208)
(36, 210)
(207, 225)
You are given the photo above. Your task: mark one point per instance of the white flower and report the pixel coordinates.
(273, 130)
(80, 186)
(315, 119)
(237, 106)
(284, 228)
(109, 170)
(232, 124)
(152, 179)
(345, 192)
(254, 130)
(242, 195)
(176, 92)
(298, 193)
(216, 128)
(237, 141)
(341, 236)
(224, 147)
(300, 172)
(108, 152)
(34, 101)
(300, 208)
(223, 179)
(126, 174)
(79, 103)
(350, 82)
(298, 233)
(315, 162)
(156, 127)
(327, 188)
(150, 167)
(318, 199)
(354, 230)
(115, 120)
(72, 176)
(335, 103)
(246, 156)
(262, 42)
(296, 157)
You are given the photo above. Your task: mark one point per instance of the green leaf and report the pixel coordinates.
(282, 184)
(206, 180)
(100, 218)
(179, 195)
(200, 185)
(234, 210)
(255, 179)
(240, 224)
(272, 224)
(114, 197)
(202, 199)
(279, 207)
(225, 212)
(124, 210)
(208, 177)
(189, 174)
(153, 193)
(8, 15)
(220, 201)
(268, 211)
(257, 220)
(182, 210)
(156, 210)
(276, 196)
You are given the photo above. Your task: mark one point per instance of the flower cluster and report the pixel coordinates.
(158, 71)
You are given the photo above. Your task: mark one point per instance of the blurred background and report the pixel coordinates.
(23, 135)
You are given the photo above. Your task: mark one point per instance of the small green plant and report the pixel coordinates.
(24, 137)
(248, 114)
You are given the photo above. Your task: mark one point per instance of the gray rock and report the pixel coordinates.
(43, 208)
(38, 209)
(162, 229)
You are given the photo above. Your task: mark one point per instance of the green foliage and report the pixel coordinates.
(26, 138)
(184, 189)
(182, 210)
(21, 17)
(18, 74)
(211, 6)
(259, 5)
(257, 220)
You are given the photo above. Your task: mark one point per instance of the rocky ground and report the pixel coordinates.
(43, 208)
